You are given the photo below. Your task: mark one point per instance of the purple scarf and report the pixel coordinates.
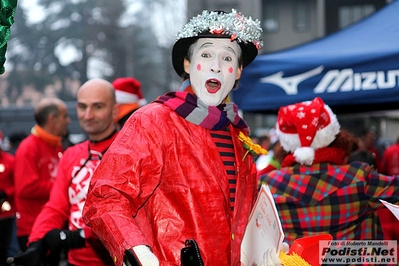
(191, 108)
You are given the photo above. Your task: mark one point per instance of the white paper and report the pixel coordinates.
(392, 207)
(264, 230)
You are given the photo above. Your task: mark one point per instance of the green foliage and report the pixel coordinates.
(7, 12)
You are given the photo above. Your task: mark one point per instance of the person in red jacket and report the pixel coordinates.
(96, 110)
(179, 177)
(36, 163)
(390, 159)
(7, 206)
(390, 166)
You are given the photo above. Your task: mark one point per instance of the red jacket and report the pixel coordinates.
(167, 173)
(7, 182)
(36, 164)
(390, 166)
(390, 159)
(66, 202)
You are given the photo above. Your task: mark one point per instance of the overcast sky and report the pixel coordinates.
(34, 12)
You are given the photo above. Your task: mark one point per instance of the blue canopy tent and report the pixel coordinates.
(353, 70)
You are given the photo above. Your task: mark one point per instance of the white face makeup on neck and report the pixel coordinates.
(214, 68)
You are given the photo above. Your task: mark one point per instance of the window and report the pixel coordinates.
(270, 16)
(302, 15)
(342, 13)
(350, 14)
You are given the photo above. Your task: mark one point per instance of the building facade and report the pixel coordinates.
(288, 23)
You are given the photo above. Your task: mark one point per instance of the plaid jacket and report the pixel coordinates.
(335, 199)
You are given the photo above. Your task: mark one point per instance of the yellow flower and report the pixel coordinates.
(255, 149)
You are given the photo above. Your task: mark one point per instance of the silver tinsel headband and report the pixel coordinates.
(242, 29)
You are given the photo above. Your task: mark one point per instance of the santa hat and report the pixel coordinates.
(128, 90)
(305, 127)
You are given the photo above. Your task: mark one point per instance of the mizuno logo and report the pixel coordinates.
(290, 84)
(335, 80)
(346, 80)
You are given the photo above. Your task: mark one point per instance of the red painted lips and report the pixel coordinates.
(212, 85)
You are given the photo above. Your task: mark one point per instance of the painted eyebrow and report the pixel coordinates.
(210, 43)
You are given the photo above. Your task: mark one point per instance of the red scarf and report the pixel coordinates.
(322, 155)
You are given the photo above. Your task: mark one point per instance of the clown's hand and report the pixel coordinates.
(140, 255)
(271, 257)
(286, 247)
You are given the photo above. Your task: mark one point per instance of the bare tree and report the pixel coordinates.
(80, 39)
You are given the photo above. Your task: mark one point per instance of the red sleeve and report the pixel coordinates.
(266, 170)
(56, 211)
(32, 174)
(7, 176)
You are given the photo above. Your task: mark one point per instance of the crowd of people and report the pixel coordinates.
(173, 182)
(48, 181)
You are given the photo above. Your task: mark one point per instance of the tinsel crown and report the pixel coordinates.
(240, 28)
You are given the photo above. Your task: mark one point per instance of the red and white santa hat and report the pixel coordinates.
(128, 90)
(305, 127)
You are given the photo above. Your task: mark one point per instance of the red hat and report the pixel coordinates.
(128, 90)
(304, 127)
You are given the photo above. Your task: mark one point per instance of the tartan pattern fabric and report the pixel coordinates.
(222, 139)
(327, 198)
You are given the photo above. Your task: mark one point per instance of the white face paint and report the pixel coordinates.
(213, 69)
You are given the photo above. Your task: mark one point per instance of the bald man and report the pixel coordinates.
(36, 163)
(96, 110)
